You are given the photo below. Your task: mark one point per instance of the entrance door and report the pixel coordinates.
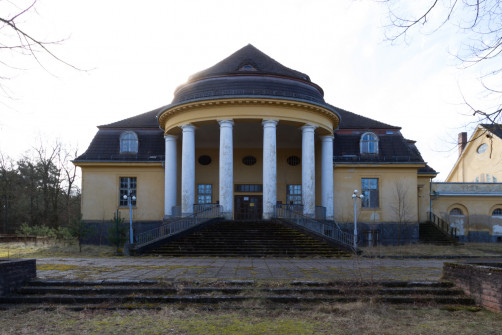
(248, 207)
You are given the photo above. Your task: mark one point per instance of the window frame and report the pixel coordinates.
(368, 143)
(129, 143)
(127, 186)
(458, 211)
(205, 195)
(294, 194)
(371, 193)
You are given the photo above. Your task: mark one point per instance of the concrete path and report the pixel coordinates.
(239, 268)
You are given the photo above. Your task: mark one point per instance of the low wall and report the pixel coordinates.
(15, 272)
(482, 281)
(388, 233)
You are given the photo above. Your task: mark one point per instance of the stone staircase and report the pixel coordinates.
(131, 294)
(429, 233)
(248, 239)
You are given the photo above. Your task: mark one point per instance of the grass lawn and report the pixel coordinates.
(354, 318)
(53, 249)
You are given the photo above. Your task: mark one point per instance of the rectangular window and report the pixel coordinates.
(294, 194)
(252, 188)
(369, 188)
(204, 193)
(127, 188)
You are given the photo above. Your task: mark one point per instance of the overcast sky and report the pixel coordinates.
(136, 53)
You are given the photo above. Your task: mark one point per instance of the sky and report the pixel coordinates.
(132, 55)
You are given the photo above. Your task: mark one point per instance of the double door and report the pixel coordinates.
(248, 207)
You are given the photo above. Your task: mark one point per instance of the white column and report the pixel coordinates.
(308, 170)
(226, 168)
(327, 175)
(170, 182)
(188, 169)
(269, 168)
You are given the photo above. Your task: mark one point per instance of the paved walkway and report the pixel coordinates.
(239, 268)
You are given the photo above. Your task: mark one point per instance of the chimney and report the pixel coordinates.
(462, 142)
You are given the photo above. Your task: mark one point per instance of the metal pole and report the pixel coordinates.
(131, 237)
(355, 221)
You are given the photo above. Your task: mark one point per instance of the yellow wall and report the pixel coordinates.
(244, 174)
(348, 179)
(471, 164)
(100, 192)
(423, 194)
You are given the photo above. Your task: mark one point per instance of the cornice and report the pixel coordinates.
(166, 114)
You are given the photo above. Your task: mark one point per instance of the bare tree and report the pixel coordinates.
(480, 24)
(401, 207)
(18, 42)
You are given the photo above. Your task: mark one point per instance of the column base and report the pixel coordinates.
(227, 215)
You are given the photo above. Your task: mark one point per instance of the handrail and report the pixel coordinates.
(320, 211)
(328, 229)
(442, 225)
(176, 226)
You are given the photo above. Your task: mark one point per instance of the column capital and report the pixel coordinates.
(327, 138)
(226, 122)
(308, 127)
(269, 123)
(170, 137)
(188, 127)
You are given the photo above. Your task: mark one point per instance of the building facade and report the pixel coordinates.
(471, 198)
(251, 134)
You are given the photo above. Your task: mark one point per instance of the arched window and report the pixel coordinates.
(456, 211)
(128, 142)
(369, 143)
(497, 212)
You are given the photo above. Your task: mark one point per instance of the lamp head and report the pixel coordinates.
(124, 197)
(133, 197)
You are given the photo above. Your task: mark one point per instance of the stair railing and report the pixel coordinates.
(329, 229)
(201, 215)
(442, 225)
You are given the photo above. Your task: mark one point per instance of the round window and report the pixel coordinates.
(249, 160)
(482, 148)
(293, 160)
(204, 160)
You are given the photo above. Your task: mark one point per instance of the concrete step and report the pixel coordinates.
(137, 294)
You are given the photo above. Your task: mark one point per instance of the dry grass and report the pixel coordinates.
(467, 249)
(323, 319)
(52, 249)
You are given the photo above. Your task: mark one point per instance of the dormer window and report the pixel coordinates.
(128, 142)
(369, 143)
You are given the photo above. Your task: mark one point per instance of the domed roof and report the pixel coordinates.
(248, 60)
(249, 73)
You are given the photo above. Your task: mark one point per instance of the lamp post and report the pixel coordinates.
(355, 196)
(129, 202)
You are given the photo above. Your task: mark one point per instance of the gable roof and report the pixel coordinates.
(481, 129)
(494, 128)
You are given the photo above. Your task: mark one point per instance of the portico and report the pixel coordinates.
(257, 138)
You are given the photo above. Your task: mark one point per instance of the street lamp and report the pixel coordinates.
(129, 202)
(355, 196)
